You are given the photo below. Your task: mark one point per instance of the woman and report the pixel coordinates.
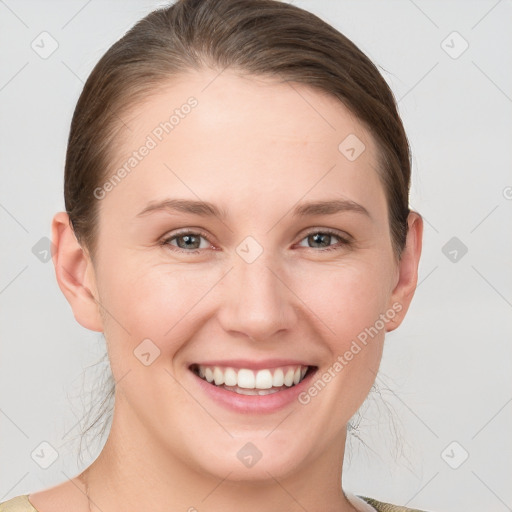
(237, 225)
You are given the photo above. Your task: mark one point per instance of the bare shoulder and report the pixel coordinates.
(65, 497)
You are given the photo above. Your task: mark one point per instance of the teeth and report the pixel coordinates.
(218, 376)
(263, 379)
(288, 378)
(230, 377)
(246, 379)
(267, 391)
(278, 378)
(242, 391)
(249, 382)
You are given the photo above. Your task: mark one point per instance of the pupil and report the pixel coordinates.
(188, 241)
(322, 239)
(317, 238)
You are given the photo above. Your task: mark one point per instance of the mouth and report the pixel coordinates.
(245, 381)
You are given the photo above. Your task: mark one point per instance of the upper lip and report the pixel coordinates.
(252, 364)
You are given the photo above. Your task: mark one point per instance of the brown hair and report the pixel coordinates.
(257, 37)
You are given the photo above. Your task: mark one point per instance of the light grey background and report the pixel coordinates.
(446, 372)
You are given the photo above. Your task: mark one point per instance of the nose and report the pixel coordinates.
(256, 301)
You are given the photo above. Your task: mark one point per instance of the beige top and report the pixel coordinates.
(361, 503)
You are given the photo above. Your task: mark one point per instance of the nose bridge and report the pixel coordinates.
(258, 303)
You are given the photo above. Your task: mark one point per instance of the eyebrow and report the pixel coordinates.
(206, 209)
(202, 208)
(329, 208)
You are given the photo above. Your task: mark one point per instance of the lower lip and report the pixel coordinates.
(254, 404)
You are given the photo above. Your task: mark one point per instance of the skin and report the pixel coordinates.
(255, 148)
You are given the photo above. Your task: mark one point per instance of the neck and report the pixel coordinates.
(131, 473)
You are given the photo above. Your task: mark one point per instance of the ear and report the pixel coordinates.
(75, 274)
(407, 272)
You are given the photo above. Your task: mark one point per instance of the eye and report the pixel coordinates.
(321, 239)
(187, 241)
(193, 242)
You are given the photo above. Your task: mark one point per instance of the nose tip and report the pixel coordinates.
(255, 303)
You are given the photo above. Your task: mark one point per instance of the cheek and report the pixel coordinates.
(167, 303)
(349, 303)
(347, 297)
(155, 301)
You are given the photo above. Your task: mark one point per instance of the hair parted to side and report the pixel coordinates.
(258, 37)
(262, 38)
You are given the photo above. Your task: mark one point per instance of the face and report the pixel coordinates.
(287, 269)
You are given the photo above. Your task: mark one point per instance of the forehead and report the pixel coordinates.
(211, 134)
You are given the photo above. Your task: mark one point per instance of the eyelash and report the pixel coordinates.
(343, 242)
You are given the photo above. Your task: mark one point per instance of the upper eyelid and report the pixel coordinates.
(329, 231)
(167, 238)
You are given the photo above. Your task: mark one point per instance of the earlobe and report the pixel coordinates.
(74, 273)
(407, 270)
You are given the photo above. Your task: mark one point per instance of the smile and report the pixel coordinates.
(245, 381)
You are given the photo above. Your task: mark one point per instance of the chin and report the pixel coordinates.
(253, 458)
